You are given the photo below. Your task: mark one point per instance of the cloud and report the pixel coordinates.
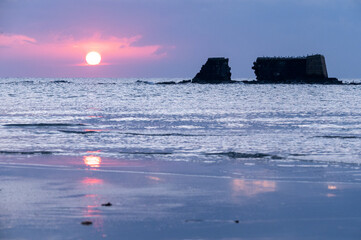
(8, 40)
(66, 49)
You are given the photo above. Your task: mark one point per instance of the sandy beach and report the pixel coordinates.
(263, 199)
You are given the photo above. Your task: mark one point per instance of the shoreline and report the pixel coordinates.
(177, 200)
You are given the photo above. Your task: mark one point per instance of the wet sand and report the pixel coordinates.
(48, 197)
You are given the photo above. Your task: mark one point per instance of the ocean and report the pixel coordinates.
(189, 122)
(131, 159)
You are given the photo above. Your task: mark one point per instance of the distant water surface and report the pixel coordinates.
(127, 119)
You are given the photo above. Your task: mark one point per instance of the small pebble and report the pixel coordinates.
(87, 223)
(108, 204)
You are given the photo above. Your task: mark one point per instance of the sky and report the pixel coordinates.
(173, 38)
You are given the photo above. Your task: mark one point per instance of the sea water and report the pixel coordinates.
(187, 161)
(130, 119)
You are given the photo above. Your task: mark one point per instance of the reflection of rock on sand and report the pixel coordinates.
(251, 187)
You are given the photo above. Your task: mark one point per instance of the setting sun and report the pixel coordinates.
(93, 58)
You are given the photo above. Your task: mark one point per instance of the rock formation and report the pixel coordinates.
(215, 71)
(297, 70)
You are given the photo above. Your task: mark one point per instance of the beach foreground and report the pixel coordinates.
(262, 199)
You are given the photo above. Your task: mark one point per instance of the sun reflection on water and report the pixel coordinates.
(93, 130)
(92, 161)
(97, 151)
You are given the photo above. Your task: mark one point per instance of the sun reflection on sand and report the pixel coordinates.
(92, 211)
(331, 188)
(92, 181)
(329, 195)
(157, 179)
(251, 188)
(92, 161)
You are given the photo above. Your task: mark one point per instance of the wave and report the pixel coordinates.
(144, 82)
(164, 134)
(337, 136)
(43, 124)
(147, 153)
(103, 83)
(77, 132)
(236, 155)
(60, 81)
(19, 82)
(27, 153)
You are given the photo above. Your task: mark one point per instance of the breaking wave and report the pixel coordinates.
(164, 134)
(236, 155)
(26, 152)
(60, 81)
(43, 125)
(147, 153)
(78, 132)
(340, 137)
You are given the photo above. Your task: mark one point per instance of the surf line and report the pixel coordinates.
(66, 168)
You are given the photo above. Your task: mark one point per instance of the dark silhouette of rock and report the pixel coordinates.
(215, 71)
(292, 70)
(185, 81)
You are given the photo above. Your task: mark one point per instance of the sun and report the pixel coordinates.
(93, 58)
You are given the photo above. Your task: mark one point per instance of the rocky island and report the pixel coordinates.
(214, 71)
(268, 70)
(292, 70)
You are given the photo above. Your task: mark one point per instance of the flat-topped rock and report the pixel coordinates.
(292, 70)
(215, 71)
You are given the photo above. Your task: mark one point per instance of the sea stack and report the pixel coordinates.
(292, 70)
(215, 71)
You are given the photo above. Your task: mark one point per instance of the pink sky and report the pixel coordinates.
(73, 51)
(159, 38)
